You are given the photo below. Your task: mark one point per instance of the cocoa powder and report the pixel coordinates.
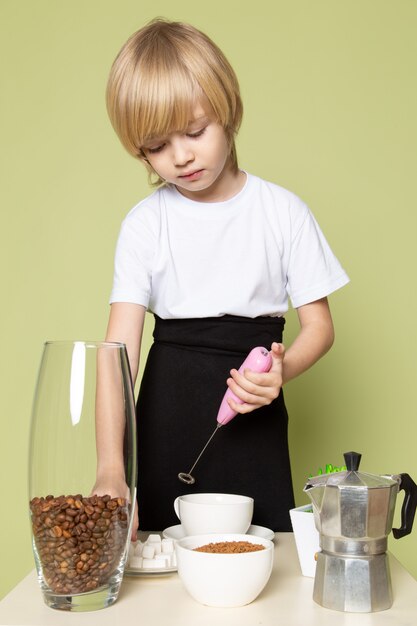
(79, 540)
(230, 547)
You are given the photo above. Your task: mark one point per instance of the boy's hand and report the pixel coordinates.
(254, 389)
(117, 488)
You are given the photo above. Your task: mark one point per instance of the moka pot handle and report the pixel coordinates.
(408, 509)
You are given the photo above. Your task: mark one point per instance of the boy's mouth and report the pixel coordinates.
(194, 175)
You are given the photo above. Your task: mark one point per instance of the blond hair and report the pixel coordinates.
(159, 74)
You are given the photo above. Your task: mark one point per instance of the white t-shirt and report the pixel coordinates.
(182, 259)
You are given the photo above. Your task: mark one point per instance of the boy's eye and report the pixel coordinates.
(155, 149)
(197, 133)
(161, 146)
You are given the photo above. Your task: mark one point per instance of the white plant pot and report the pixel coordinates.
(306, 538)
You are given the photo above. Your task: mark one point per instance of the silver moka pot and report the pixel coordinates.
(353, 513)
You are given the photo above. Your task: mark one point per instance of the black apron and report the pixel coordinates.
(181, 390)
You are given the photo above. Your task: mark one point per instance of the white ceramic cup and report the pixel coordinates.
(203, 513)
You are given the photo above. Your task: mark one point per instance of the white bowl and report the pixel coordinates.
(224, 580)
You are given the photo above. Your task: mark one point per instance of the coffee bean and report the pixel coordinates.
(79, 540)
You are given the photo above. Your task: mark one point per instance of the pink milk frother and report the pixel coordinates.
(258, 360)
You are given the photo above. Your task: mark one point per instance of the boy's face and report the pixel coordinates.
(195, 161)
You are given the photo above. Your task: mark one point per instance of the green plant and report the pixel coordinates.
(330, 469)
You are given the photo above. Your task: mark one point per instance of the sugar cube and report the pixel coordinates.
(136, 562)
(167, 546)
(148, 551)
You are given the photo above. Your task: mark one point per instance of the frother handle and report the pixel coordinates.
(258, 360)
(408, 509)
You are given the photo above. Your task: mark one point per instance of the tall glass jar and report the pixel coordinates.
(82, 472)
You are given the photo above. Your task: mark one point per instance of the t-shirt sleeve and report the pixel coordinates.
(135, 251)
(313, 270)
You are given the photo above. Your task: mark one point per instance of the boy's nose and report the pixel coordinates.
(182, 153)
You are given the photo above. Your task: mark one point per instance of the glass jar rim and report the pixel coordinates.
(85, 343)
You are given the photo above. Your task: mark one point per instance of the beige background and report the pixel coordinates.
(330, 98)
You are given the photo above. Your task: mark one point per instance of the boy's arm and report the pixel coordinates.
(315, 338)
(126, 326)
